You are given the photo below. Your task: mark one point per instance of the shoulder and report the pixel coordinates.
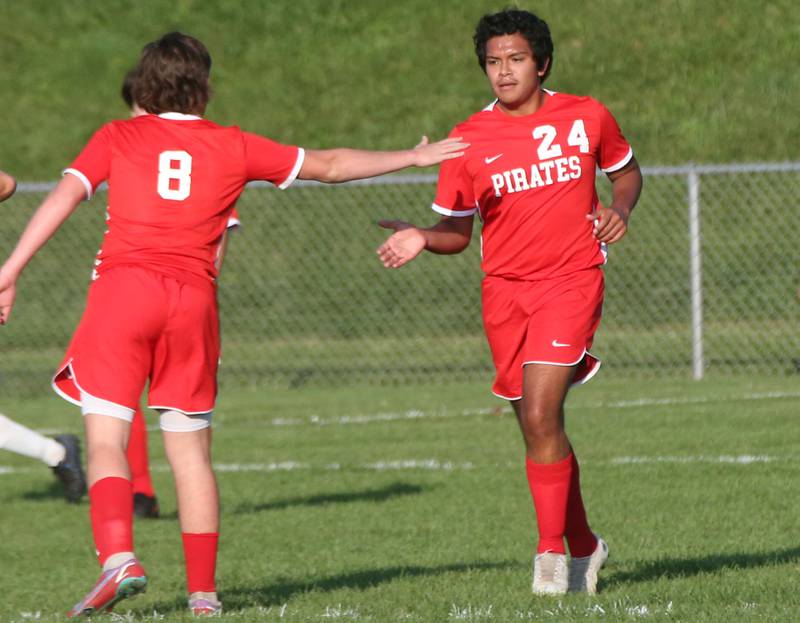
(475, 122)
(582, 103)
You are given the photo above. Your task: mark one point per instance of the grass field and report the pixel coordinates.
(409, 504)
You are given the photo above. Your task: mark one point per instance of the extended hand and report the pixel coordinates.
(610, 224)
(428, 154)
(406, 243)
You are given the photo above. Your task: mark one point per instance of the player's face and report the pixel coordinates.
(513, 71)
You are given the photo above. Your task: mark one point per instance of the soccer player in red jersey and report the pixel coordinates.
(530, 176)
(152, 312)
(145, 502)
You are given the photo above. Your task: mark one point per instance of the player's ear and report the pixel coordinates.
(543, 69)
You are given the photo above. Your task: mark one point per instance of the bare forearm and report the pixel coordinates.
(346, 164)
(55, 209)
(626, 188)
(443, 239)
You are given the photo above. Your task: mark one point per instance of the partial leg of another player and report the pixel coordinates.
(62, 454)
(145, 503)
(553, 478)
(189, 455)
(111, 511)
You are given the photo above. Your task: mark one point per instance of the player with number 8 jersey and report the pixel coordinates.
(151, 313)
(168, 207)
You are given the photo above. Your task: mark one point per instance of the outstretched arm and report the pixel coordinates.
(7, 185)
(341, 165)
(626, 186)
(450, 235)
(55, 209)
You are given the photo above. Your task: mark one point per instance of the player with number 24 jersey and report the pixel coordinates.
(532, 178)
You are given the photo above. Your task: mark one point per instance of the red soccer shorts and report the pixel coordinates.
(551, 321)
(140, 324)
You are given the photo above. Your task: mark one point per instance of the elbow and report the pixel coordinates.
(333, 175)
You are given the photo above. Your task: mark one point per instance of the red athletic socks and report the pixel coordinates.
(200, 552)
(582, 541)
(111, 513)
(549, 484)
(137, 456)
(556, 492)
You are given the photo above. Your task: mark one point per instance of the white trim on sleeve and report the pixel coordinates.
(448, 212)
(621, 163)
(86, 183)
(233, 223)
(301, 156)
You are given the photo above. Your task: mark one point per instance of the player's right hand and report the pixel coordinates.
(406, 243)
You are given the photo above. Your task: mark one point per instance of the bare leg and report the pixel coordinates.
(106, 441)
(189, 455)
(540, 413)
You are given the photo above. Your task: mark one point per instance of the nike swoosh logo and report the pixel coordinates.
(123, 572)
(492, 159)
(558, 344)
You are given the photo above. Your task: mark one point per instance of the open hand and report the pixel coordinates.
(406, 243)
(428, 154)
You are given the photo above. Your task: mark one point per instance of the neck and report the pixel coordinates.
(528, 107)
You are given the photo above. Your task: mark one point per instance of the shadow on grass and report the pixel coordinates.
(369, 495)
(687, 567)
(281, 591)
(52, 490)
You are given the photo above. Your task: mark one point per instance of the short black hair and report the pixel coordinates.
(511, 21)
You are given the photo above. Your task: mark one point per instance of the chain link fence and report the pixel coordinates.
(705, 283)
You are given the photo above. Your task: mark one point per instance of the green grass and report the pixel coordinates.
(324, 534)
(689, 80)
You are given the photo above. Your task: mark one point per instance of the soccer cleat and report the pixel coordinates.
(145, 506)
(583, 570)
(549, 574)
(69, 471)
(114, 585)
(201, 607)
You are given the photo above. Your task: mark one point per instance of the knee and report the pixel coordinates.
(541, 423)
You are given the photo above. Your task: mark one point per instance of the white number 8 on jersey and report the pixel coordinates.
(167, 173)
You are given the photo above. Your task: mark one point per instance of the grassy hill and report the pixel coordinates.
(697, 81)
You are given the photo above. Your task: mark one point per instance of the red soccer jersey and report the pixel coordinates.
(532, 181)
(173, 180)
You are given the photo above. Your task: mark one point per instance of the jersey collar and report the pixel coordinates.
(179, 116)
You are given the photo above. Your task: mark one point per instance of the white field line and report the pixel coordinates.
(436, 465)
(416, 414)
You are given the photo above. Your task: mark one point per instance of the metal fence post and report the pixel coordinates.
(696, 274)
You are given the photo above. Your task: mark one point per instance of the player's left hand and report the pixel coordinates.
(427, 154)
(610, 224)
(8, 292)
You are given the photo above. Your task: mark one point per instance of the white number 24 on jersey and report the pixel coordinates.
(182, 174)
(548, 148)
